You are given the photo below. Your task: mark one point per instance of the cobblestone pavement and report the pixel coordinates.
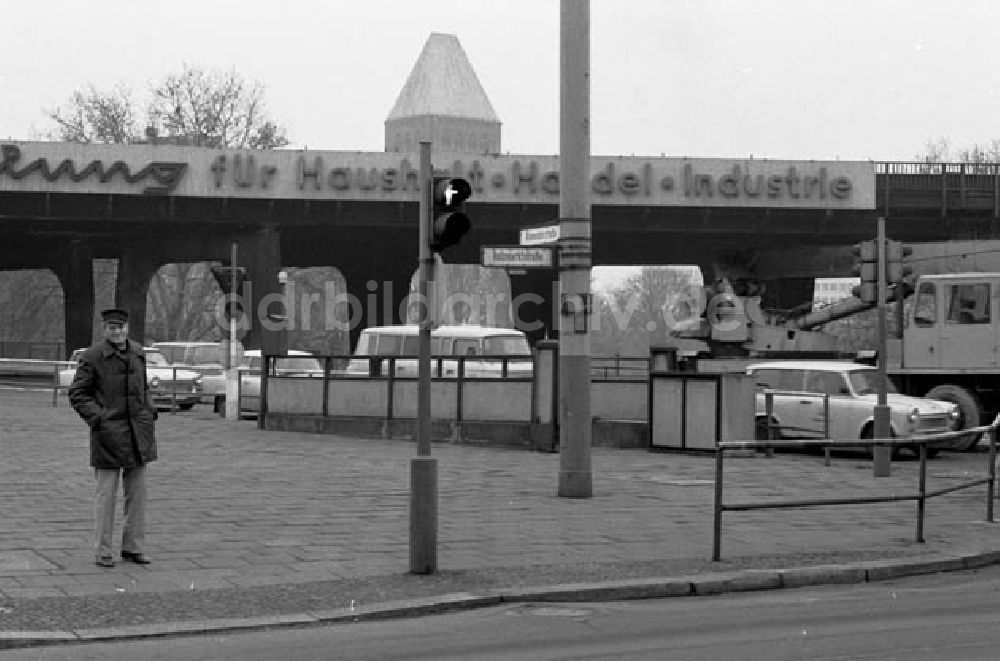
(243, 518)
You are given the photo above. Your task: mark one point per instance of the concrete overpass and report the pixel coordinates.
(784, 222)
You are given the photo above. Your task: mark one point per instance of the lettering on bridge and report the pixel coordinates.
(166, 174)
(736, 184)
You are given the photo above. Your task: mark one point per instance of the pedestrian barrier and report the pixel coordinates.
(37, 373)
(386, 383)
(34, 372)
(610, 368)
(921, 496)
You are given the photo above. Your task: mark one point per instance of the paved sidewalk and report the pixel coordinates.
(251, 524)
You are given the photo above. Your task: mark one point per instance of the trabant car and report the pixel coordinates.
(486, 351)
(166, 384)
(799, 388)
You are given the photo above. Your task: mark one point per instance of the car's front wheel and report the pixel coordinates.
(869, 432)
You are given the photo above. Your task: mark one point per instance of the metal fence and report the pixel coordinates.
(44, 374)
(619, 368)
(921, 495)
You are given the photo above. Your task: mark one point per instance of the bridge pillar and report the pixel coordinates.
(534, 296)
(377, 293)
(136, 266)
(262, 258)
(76, 275)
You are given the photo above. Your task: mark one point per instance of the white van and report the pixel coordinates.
(497, 346)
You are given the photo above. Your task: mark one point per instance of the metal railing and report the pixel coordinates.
(772, 430)
(920, 496)
(958, 184)
(619, 368)
(40, 371)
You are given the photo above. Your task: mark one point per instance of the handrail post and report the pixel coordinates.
(173, 389)
(922, 499)
(826, 427)
(769, 412)
(327, 366)
(55, 384)
(390, 382)
(459, 387)
(991, 484)
(261, 393)
(717, 508)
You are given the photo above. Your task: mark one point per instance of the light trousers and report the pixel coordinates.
(134, 521)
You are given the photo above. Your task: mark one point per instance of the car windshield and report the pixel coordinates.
(300, 364)
(506, 345)
(204, 355)
(155, 358)
(865, 382)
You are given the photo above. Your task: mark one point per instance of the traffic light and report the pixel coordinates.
(896, 268)
(866, 268)
(448, 220)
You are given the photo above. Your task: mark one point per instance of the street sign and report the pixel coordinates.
(518, 256)
(533, 236)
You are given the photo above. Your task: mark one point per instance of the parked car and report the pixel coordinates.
(298, 364)
(205, 358)
(497, 346)
(799, 388)
(167, 384)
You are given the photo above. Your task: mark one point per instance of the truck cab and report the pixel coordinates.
(952, 323)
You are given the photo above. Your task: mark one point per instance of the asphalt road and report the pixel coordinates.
(954, 617)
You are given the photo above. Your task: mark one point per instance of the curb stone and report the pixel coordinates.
(798, 577)
(637, 588)
(646, 588)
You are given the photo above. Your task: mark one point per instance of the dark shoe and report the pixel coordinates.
(137, 558)
(105, 561)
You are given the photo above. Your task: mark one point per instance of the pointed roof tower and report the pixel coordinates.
(444, 102)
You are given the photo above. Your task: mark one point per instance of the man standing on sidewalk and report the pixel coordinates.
(111, 394)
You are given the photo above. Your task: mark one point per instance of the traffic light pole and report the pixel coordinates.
(882, 455)
(574, 250)
(232, 410)
(423, 468)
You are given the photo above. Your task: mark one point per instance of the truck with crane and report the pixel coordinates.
(946, 343)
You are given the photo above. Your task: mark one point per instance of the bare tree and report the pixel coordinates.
(215, 109)
(93, 115)
(940, 151)
(196, 106)
(630, 317)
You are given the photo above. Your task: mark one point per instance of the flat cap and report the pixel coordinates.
(114, 314)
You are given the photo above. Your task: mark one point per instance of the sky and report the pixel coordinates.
(849, 80)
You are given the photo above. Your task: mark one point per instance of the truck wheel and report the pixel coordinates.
(968, 408)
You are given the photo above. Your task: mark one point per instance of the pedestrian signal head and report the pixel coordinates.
(448, 220)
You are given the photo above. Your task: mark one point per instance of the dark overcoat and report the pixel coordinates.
(111, 394)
